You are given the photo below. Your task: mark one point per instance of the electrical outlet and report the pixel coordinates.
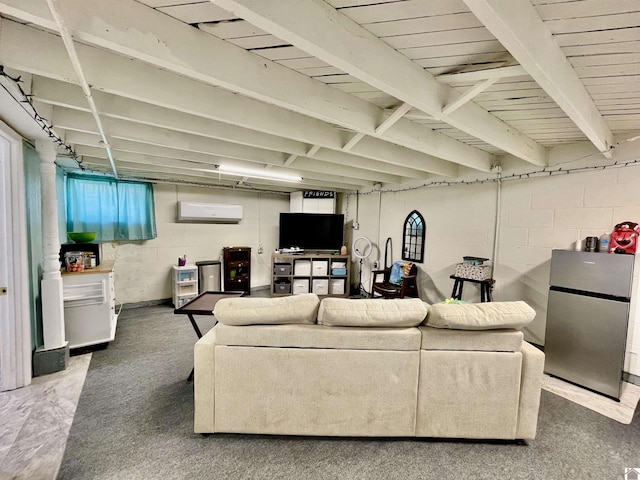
(260, 250)
(375, 265)
(356, 225)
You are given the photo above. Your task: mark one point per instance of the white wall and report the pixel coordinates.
(537, 214)
(143, 269)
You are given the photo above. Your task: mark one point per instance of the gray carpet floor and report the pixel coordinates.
(134, 421)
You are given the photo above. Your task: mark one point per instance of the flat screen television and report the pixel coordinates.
(311, 231)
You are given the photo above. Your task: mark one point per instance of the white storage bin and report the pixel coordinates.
(181, 300)
(186, 288)
(321, 286)
(336, 287)
(302, 267)
(338, 264)
(300, 285)
(320, 268)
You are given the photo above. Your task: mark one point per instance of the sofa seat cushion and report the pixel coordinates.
(319, 336)
(506, 340)
(480, 316)
(344, 312)
(267, 311)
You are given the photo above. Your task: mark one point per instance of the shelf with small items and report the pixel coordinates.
(322, 274)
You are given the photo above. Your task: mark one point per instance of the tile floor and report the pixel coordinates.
(35, 422)
(621, 411)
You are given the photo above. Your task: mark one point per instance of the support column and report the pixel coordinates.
(54, 355)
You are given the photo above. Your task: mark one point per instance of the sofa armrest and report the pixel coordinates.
(203, 383)
(530, 387)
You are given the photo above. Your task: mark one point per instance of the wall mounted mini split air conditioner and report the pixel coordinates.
(209, 212)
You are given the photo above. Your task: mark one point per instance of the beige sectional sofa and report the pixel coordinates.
(340, 367)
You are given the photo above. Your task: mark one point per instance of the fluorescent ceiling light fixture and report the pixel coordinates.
(264, 174)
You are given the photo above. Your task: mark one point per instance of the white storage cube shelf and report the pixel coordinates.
(312, 273)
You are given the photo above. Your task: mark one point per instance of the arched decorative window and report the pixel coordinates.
(413, 238)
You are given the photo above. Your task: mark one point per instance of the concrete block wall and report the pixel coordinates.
(143, 269)
(536, 216)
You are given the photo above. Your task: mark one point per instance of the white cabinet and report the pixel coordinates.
(185, 284)
(89, 306)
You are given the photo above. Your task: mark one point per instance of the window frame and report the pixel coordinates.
(121, 227)
(413, 237)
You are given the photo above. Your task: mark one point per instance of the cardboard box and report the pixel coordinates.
(473, 272)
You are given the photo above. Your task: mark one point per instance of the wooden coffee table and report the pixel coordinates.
(203, 304)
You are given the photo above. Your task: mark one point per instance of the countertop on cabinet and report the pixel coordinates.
(106, 266)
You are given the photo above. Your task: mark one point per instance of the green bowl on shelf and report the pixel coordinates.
(82, 237)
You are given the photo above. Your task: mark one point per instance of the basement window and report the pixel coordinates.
(413, 238)
(116, 209)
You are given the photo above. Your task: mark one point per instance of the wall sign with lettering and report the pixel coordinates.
(318, 194)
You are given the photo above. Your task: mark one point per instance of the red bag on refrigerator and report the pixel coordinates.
(624, 238)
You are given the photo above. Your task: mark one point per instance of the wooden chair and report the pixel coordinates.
(407, 288)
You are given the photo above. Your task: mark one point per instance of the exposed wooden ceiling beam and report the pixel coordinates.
(156, 137)
(69, 96)
(478, 75)
(517, 25)
(320, 30)
(392, 119)
(138, 162)
(82, 122)
(177, 47)
(188, 97)
(468, 95)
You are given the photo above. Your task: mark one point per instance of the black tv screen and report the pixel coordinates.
(311, 231)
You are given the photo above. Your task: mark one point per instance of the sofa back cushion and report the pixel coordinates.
(267, 311)
(480, 316)
(502, 340)
(344, 312)
(320, 336)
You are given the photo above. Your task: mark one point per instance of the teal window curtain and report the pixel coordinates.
(117, 210)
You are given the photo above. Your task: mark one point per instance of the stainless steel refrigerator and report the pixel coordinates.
(587, 318)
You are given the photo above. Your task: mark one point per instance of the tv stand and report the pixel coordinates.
(324, 274)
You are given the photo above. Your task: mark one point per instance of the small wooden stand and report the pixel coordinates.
(485, 288)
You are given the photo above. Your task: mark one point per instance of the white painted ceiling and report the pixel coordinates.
(345, 93)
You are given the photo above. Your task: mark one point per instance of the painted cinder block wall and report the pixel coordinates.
(143, 269)
(536, 215)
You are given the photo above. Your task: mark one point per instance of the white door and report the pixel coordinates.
(15, 332)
